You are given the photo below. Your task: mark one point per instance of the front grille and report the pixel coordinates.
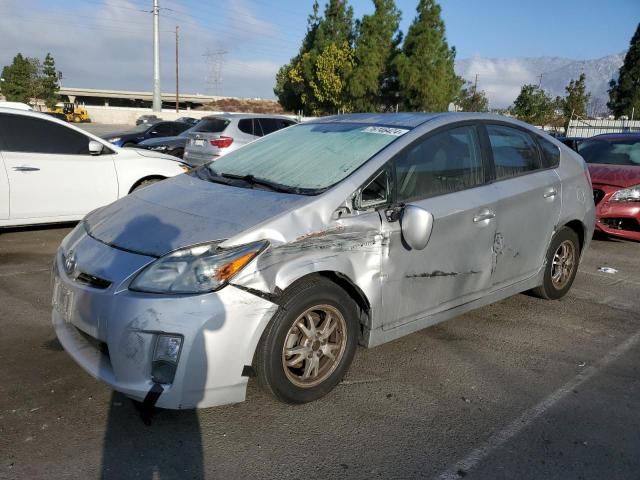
(622, 223)
(598, 195)
(93, 281)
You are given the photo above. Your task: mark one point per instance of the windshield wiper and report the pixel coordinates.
(251, 180)
(204, 173)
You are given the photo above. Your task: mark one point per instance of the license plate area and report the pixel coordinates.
(198, 143)
(62, 300)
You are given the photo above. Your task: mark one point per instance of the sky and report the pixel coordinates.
(108, 43)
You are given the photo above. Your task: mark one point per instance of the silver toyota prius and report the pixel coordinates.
(276, 260)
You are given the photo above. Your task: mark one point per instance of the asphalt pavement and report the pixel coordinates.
(522, 389)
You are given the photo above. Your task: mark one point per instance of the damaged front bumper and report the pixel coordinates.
(112, 333)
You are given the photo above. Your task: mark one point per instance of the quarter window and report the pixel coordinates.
(514, 151)
(22, 133)
(442, 163)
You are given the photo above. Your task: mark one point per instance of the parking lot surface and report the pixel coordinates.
(524, 389)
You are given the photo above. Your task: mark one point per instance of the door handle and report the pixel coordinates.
(485, 215)
(551, 193)
(26, 169)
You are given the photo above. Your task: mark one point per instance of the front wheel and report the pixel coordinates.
(309, 344)
(563, 256)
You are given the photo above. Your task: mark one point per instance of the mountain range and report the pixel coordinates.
(502, 78)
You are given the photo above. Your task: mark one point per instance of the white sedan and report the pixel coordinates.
(54, 172)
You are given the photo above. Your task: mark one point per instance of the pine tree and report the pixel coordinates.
(624, 94)
(376, 45)
(49, 81)
(575, 103)
(20, 79)
(316, 79)
(470, 99)
(425, 67)
(533, 105)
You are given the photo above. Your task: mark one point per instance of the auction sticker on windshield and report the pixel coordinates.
(396, 132)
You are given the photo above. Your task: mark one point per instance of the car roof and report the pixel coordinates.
(246, 115)
(410, 119)
(616, 136)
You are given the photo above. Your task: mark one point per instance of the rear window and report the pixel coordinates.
(211, 125)
(611, 152)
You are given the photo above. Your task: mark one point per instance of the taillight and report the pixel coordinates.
(221, 142)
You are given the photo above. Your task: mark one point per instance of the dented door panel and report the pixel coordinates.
(454, 267)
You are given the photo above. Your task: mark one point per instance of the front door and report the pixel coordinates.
(50, 171)
(444, 174)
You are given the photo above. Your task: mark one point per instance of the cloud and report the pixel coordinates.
(109, 45)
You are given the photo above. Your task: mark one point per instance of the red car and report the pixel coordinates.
(614, 165)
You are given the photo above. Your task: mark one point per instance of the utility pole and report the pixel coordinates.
(157, 100)
(475, 84)
(540, 81)
(177, 76)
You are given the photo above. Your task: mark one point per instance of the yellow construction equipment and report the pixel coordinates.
(73, 112)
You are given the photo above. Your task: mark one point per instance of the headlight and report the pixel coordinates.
(114, 139)
(199, 269)
(631, 194)
(186, 168)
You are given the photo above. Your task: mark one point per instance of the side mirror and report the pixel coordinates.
(416, 225)
(95, 148)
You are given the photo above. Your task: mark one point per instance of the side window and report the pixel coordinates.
(270, 125)
(514, 151)
(162, 129)
(21, 133)
(246, 126)
(375, 192)
(550, 153)
(442, 163)
(178, 128)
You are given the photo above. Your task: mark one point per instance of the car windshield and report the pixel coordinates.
(611, 152)
(310, 157)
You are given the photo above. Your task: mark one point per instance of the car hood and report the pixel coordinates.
(152, 154)
(152, 142)
(184, 211)
(616, 175)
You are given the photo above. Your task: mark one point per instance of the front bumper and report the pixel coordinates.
(618, 219)
(112, 333)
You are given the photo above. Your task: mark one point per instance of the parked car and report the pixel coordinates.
(278, 258)
(571, 142)
(190, 120)
(51, 171)
(16, 105)
(614, 165)
(142, 132)
(218, 135)
(173, 146)
(147, 120)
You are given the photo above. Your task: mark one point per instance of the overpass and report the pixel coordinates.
(129, 98)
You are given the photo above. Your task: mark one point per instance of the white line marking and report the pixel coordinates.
(498, 439)
(24, 272)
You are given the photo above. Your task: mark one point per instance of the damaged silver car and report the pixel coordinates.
(276, 260)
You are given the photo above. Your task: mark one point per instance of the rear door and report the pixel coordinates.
(50, 170)
(529, 203)
(444, 174)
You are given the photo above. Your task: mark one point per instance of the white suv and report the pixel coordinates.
(217, 135)
(54, 172)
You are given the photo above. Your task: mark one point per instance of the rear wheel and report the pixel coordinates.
(310, 343)
(563, 256)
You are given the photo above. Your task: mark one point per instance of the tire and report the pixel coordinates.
(561, 265)
(145, 183)
(306, 302)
